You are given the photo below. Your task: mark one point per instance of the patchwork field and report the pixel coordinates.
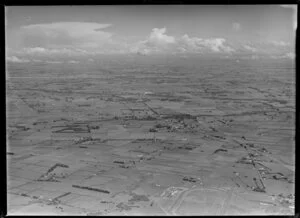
(151, 136)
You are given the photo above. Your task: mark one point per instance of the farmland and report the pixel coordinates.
(140, 135)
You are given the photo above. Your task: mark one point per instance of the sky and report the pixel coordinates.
(34, 32)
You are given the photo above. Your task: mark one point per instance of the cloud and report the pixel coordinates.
(254, 57)
(205, 45)
(54, 62)
(16, 59)
(159, 41)
(76, 39)
(65, 34)
(290, 55)
(280, 43)
(249, 48)
(190, 43)
(37, 60)
(236, 26)
(218, 45)
(35, 50)
(40, 51)
(73, 62)
(266, 47)
(158, 36)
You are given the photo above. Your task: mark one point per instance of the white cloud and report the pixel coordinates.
(35, 50)
(290, 55)
(74, 29)
(65, 34)
(280, 43)
(190, 43)
(17, 60)
(268, 47)
(37, 60)
(158, 37)
(54, 62)
(250, 48)
(73, 62)
(182, 50)
(217, 45)
(236, 26)
(254, 57)
(47, 51)
(202, 45)
(141, 49)
(75, 39)
(159, 41)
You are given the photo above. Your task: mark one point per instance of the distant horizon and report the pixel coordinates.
(159, 58)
